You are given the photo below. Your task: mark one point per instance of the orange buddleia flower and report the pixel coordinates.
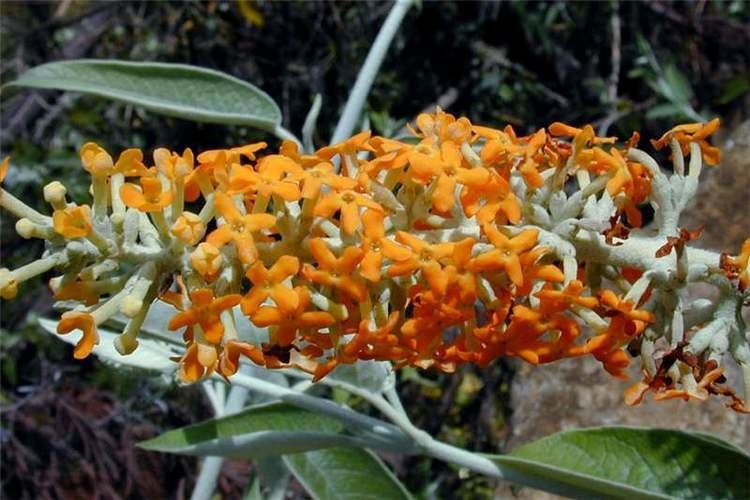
(270, 178)
(270, 283)
(85, 291)
(376, 246)
(507, 252)
(204, 311)
(285, 324)
(238, 228)
(367, 343)
(426, 258)
(4, 168)
(199, 360)
(532, 270)
(500, 204)
(336, 272)
(351, 146)
(389, 155)
(554, 301)
(229, 359)
(693, 132)
(96, 160)
(443, 126)
(172, 165)
(698, 392)
(77, 320)
(130, 164)
(447, 169)
(321, 173)
(73, 222)
(148, 198)
(348, 202)
(232, 155)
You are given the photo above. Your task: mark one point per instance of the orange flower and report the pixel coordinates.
(375, 344)
(350, 147)
(199, 360)
(376, 246)
(96, 160)
(693, 132)
(498, 199)
(205, 311)
(130, 163)
(4, 168)
(148, 198)
(554, 301)
(425, 258)
(319, 174)
(270, 283)
(389, 155)
(232, 155)
(448, 170)
(286, 323)
(581, 136)
(444, 127)
(335, 271)
(533, 271)
(172, 165)
(349, 202)
(86, 291)
(229, 359)
(238, 228)
(506, 255)
(73, 222)
(207, 260)
(699, 392)
(77, 320)
(270, 179)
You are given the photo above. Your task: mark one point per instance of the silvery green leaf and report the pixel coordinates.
(270, 429)
(629, 463)
(178, 90)
(345, 473)
(375, 376)
(150, 355)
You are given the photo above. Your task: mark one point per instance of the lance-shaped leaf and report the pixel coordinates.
(626, 462)
(177, 90)
(345, 473)
(263, 430)
(151, 353)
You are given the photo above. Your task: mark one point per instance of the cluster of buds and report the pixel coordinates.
(462, 245)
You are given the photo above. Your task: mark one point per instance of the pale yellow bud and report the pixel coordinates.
(54, 194)
(189, 228)
(207, 260)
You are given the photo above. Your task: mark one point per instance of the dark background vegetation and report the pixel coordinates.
(69, 428)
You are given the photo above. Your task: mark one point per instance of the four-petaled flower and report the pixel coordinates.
(205, 311)
(239, 228)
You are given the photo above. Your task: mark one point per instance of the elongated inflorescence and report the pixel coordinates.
(462, 245)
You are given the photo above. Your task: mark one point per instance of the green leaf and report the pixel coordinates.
(259, 431)
(663, 111)
(345, 473)
(374, 376)
(177, 90)
(626, 462)
(733, 88)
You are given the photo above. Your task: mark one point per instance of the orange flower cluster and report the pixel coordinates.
(416, 252)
